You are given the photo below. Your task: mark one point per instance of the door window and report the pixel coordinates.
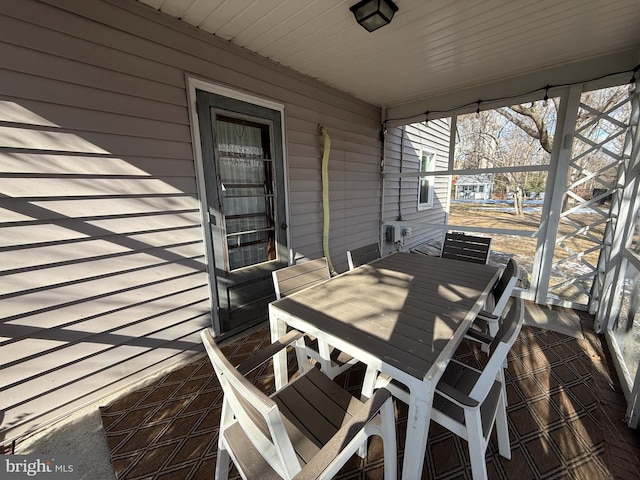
(246, 175)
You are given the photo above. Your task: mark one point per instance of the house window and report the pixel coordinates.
(425, 186)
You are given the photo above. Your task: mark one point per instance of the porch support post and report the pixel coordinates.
(610, 302)
(453, 132)
(383, 157)
(610, 305)
(558, 171)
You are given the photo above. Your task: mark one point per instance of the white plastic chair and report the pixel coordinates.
(488, 321)
(291, 279)
(468, 402)
(307, 430)
(363, 255)
(468, 248)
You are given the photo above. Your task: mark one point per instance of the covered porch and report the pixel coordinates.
(118, 246)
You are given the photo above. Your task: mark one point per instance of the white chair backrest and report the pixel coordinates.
(296, 277)
(257, 414)
(499, 348)
(468, 248)
(363, 255)
(504, 287)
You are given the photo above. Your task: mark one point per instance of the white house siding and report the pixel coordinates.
(103, 276)
(402, 150)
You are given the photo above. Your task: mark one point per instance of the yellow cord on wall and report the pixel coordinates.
(325, 198)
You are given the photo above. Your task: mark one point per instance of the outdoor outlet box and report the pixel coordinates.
(394, 234)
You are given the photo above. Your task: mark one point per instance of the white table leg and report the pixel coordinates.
(278, 329)
(418, 420)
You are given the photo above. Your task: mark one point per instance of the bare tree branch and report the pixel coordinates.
(539, 130)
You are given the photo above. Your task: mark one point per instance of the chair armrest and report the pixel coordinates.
(478, 336)
(346, 434)
(487, 316)
(266, 353)
(455, 396)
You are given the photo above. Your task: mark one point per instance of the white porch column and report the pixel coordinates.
(558, 170)
(613, 284)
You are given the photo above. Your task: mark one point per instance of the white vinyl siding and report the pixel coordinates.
(403, 150)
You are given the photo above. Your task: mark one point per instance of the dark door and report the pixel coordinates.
(244, 179)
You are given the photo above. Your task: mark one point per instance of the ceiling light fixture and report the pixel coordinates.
(373, 14)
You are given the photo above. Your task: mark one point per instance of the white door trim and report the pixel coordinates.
(194, 84)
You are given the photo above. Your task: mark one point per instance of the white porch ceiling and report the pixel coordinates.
(431, 48)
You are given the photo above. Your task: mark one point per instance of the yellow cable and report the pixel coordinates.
(325, 198)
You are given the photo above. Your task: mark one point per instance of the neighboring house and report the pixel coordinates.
(128, 226)
(474, 187)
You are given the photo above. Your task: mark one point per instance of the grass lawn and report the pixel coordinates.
(577, 253)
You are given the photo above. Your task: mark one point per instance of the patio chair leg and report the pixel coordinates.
(304, 363)
(477, 447)
(365, 393)
(388, 419)
(222, 463)
(502, 429)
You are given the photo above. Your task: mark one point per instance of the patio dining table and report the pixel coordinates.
(403, 315)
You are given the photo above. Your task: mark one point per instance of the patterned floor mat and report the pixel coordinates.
(168, 429)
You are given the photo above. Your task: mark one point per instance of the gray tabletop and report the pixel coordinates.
(404, 308)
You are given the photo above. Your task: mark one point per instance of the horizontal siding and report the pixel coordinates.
(354, 184)
(63, 43)
(42, 163)
(36, 63)
(20, 85)
(402, 150)
(74, 118)
(103, 277)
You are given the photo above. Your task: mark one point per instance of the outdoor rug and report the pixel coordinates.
(168, 429)
(561, 320)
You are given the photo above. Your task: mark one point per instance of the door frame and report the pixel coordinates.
(193, 84)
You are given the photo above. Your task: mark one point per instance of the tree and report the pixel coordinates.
(533, 120)
(537, 120)
(524, 135)
(489, 140)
